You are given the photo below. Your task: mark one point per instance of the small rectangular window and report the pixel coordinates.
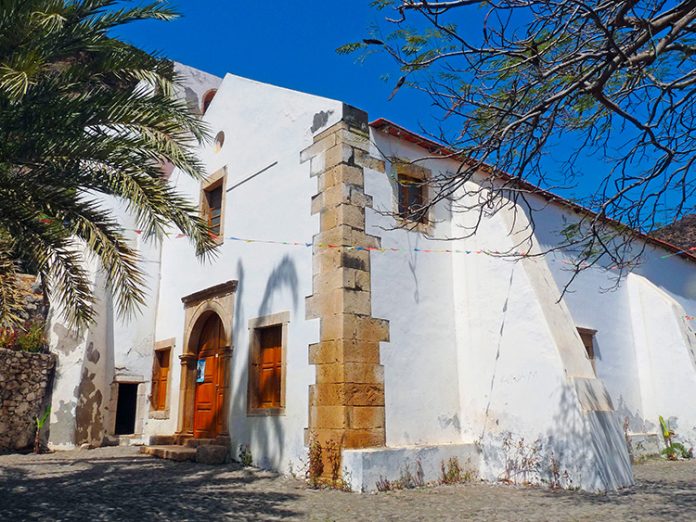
(411, 198)
(587, 335)
(213, 200)
(160, 379)
(212, 203)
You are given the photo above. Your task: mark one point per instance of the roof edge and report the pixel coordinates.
(397, 131)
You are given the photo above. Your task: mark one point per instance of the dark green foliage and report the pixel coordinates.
(34, 339)
(86, 121)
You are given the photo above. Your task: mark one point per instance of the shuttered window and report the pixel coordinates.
(160, 378)
(411, 198)
(213, 198)
(268, 368)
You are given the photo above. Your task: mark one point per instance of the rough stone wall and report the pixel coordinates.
(346, 405)
(33, 307)
(24, 378)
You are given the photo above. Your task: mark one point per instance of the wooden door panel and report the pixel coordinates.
(220, 394)
(205, 402)
(209, 395)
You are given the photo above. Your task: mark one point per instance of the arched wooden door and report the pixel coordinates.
(210, 372)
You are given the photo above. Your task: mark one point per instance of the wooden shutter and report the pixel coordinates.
(160, 378)
(214, 201)
(411, 198)
(270, 366)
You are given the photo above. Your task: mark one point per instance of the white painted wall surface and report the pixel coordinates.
(644, 343)
(478, 347)
(116, 348)
(263, 125)
(482, 340)
(414, 292)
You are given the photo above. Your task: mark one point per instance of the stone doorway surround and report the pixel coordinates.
(218, 299)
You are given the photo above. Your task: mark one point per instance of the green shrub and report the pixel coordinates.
(33, 340)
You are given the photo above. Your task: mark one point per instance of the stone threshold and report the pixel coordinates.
(176, 448)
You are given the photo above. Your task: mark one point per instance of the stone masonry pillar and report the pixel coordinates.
(346, 405)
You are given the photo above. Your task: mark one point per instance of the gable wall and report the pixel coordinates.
(263, 126)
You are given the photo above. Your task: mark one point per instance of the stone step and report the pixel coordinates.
(197, 443)
(211, 454)
(122, 440)
(223, 440)
(171, 452)
(163, 440)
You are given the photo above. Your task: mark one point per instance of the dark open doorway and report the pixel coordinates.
(125, 408)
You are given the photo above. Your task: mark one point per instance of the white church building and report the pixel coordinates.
(322, 320)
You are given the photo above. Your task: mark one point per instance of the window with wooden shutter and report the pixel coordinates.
(266, 395)
(213, 203)
(160, 379)
(214, 206)
(270, 366)
(411, 198)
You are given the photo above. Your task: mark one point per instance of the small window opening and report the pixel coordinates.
(125, 408)
(411, 198)
(219, 141)
(587, 337)
(208, 99)
(213, 201)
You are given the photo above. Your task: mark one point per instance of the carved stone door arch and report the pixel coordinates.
(206, 310)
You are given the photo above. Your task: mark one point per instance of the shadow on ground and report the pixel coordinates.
(661, 499)
(137, 488)
(119, 484)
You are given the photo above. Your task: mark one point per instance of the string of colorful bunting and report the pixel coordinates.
(517, 254)
(688, 250)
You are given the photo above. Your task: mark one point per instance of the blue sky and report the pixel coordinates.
(287, 43)
(293, 44)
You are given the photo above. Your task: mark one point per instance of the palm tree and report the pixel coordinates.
(84, 119)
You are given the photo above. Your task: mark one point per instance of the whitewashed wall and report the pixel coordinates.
(116, 348)
(480, 348)
(644, 342)
(263, 125)
(414, 292)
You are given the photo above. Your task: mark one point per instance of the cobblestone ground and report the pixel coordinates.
(120, 484)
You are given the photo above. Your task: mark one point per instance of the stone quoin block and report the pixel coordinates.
(346, 278)
(344, 351)
(343, 372)
(346, 405)
(341, 175)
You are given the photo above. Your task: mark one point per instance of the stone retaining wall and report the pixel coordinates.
(24, 379)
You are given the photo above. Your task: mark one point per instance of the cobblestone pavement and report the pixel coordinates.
(120, 484)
